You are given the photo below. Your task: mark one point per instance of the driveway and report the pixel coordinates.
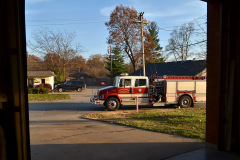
(57, 131)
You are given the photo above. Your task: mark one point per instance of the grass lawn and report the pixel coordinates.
(186, 122)
(47, 97)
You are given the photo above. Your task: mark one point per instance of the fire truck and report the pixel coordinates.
(183, 91)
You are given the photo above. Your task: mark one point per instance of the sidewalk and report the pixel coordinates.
(92, 140)
(77, 138)
(58, 133)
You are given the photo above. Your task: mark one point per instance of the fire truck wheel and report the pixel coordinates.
(112, 104)
(185, 101)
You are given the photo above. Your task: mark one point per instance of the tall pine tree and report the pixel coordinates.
(152, 46)
(118, 65)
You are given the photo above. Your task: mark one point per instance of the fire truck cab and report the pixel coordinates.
(155, 91)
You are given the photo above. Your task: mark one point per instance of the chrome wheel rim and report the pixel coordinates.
(185, 102)
(112, 104)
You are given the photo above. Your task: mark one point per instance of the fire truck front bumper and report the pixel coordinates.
(94, 100)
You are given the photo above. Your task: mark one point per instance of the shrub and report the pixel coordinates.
(43, 90)
(30, 90)
(35, 91)
(45, 85)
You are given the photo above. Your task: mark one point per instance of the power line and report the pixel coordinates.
(186, 22)
(69, 19)
(62, 23)
(170, 30)
(188, 45)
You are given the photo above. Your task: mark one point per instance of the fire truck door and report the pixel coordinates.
(140, 89)
(125, 88)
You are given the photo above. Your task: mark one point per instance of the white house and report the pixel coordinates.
(37, 77)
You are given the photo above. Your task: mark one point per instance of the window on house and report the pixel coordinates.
(43, 80)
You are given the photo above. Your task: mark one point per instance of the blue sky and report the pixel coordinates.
(87, 18)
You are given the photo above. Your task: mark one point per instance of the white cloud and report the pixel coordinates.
(106, 11)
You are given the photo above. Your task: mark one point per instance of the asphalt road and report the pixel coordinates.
(57, 131)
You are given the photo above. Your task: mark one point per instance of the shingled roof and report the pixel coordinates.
(178, 68)
(40, 74)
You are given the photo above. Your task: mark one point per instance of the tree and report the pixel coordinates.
(77, 65)
(49, 43)
(178, 44)
(201, 48)
(34, 63)
(51, 63)
(124, 32)
(118, 65)
(96, 66)
(152, 47)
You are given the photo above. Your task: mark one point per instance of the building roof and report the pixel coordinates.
(178, 68)
(40, 74)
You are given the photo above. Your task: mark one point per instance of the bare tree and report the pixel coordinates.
(201, 51)
(96, 66)
(77, 65)
(50, 62)
(34, 63)
(50, 43)
(124, 32)
(179, 43)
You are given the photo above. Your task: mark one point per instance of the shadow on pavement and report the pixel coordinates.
(57, 106)
(50, 106)
(100, 151)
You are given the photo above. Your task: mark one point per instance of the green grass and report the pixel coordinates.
(188, 122)
(47, 97)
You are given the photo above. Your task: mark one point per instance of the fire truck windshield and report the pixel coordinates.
(116, 81)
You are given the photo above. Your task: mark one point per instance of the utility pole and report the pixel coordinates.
(140, 17)
(109, 51)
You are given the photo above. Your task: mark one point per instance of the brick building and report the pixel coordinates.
(223, 64)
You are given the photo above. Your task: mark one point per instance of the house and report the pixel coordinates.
(35, 78)
(177, 68)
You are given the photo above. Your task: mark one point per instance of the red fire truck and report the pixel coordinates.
(183, 91)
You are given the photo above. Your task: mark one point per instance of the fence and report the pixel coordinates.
(96, 81)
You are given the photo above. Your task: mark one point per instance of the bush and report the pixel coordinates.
(43, 90)
(45, 85)
(35, 91)
(30, 90)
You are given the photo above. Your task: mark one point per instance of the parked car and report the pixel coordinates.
(71, 86)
